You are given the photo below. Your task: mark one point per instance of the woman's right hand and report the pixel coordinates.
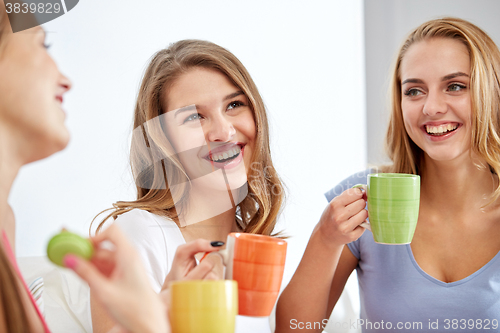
(118, 279)
(339, 223)
(184, 266)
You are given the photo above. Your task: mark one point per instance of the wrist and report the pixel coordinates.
(324, 236)
(155, 320)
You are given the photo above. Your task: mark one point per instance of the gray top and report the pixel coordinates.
(397, 295)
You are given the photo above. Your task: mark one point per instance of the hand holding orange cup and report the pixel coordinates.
(257, 263)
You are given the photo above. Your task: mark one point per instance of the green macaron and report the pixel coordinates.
(68, 243)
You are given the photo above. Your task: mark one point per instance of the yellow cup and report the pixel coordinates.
(203, 306)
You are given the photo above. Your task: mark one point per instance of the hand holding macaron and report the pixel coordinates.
(115, 275)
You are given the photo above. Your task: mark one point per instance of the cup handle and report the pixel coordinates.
(361, 186)
(365, 225)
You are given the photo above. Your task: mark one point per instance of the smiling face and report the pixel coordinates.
(436, 100)
(32, 90)
(211, 127)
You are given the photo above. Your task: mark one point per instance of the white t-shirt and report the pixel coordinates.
(156, 238)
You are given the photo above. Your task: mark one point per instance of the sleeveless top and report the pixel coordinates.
(397, 295)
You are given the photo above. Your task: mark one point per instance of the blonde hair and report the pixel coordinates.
(258, 211)
(485, 96)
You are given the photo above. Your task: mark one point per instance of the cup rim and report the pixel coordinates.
(257, 238)
(393, 175)
(202, 282)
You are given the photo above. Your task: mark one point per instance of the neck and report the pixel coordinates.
(456, 186)
(10, 164)
(203, 217)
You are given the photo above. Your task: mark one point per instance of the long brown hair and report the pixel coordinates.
(258, 211)
(13, 313)
(485, 96)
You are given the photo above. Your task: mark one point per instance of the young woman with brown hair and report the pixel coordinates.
(200, 158)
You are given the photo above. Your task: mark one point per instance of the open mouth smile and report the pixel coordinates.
(226, 156)
(440, 130)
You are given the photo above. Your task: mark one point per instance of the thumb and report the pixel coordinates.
(86, 271)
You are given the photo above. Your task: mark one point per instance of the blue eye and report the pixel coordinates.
(194, 116)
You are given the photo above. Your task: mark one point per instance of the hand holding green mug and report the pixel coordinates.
(393, 204)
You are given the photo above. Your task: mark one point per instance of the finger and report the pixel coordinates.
(188, 250)
(86, 271)
(103, 255)
(200, 271)
(357, 232)
(104, 261)
(357, 219)
(114, 235)
(118, 329)
(212, 276)
(354, 208)
(348, 196)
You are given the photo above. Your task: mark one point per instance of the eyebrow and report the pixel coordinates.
(193, 106)
(233, 95)
(185, 109)
(445, 78)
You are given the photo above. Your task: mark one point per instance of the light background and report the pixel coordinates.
(308, 61)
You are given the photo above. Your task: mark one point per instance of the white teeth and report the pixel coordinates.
(440, 129)
(226, 155)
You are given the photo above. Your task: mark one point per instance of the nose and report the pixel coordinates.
(435, 103)
(221, 129)
(65, 83)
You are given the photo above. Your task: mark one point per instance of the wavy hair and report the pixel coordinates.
(485, 96)
(258, 211)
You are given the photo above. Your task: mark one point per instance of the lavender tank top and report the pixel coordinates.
(396, 295)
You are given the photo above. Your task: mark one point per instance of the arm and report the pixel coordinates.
(325, 266)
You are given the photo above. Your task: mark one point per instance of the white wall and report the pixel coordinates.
(387, 23)
(306, 59)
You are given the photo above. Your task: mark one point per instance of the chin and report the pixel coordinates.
(444, 156)
(51, 146)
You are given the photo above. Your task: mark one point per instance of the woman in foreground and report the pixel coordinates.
(32, 128)
(444, 127)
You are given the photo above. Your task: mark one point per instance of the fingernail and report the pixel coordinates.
(217, 243)
(69, 261)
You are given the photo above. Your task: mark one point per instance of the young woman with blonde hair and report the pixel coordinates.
(444, 127)
(200, 159)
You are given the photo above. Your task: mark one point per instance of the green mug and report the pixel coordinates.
(393, 204)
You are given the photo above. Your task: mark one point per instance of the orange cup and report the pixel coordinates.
(257, 263)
